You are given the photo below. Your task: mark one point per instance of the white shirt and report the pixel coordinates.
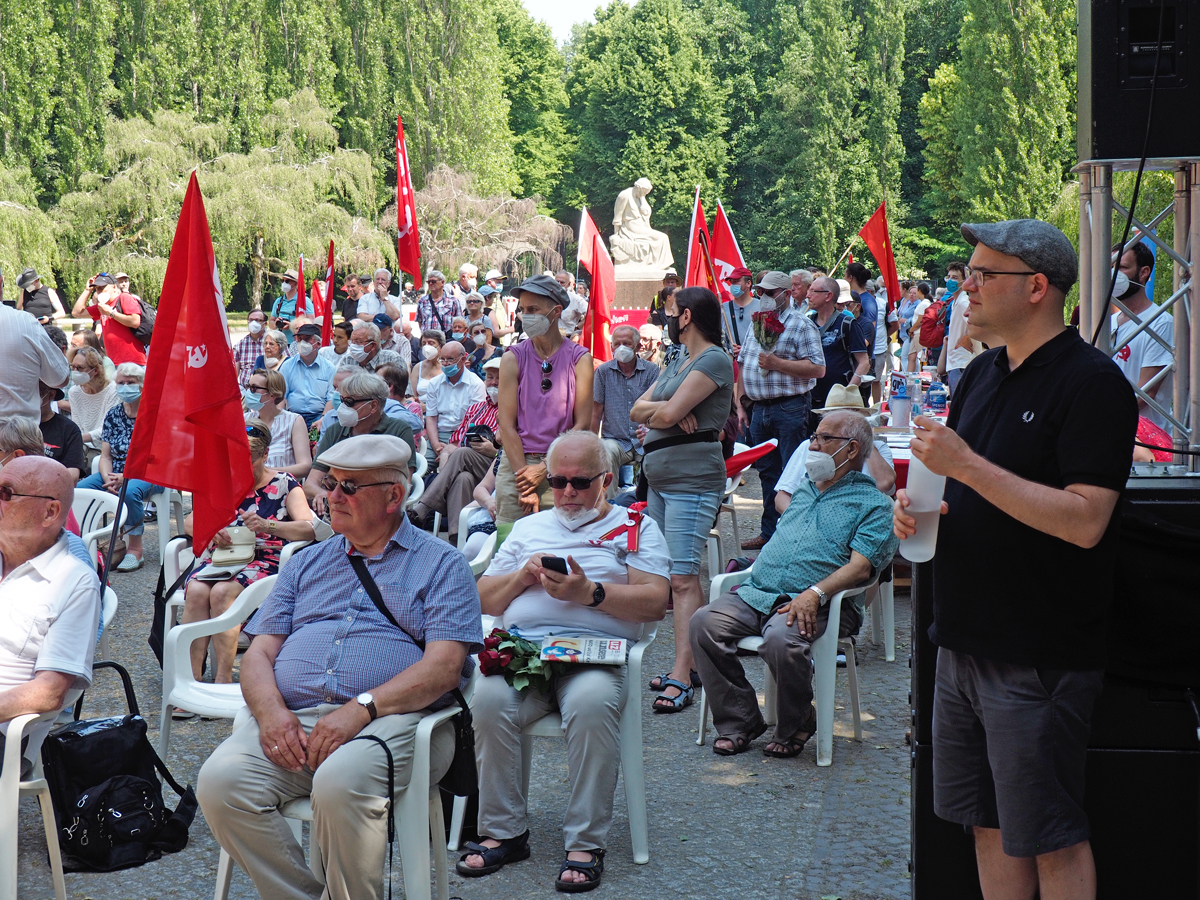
(958, 357)
(535, 614)
(881, 328)
(918, 315)
(573, 315)
(29, 357)
(49, 616)
(794, 472)
(369, 305)
(1145, 352)
(450, 402)
(330, 353)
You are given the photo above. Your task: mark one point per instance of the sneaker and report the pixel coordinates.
(129, 564)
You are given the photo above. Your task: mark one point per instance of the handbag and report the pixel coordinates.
(462, 778)
(106, 794)
(239, 552)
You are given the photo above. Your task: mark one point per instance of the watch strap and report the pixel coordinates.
(597, 595)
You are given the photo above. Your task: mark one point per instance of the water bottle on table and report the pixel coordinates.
(924, 491)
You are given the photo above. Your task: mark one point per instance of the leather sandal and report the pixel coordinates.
(592, 870)
(658, 682)
(792, 747)
(494, 858)
(664, 704)
(741, 742)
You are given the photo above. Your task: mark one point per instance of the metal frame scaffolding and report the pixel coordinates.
(1096, 208)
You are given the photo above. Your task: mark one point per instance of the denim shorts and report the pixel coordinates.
(1010, 749)
(685, 521)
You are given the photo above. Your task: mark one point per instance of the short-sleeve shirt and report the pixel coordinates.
(617, 394)
(816, 535)
(535, 614)
(338, 643)
(117, 430)
(308, 384)
(29, 357)
(800, 340)
(119, 342)
(700, 467)
(63, 441)
(841, 337)
(387, 425)
(1004, 590)
(450, 401)
(740, 320)
(1145, 352)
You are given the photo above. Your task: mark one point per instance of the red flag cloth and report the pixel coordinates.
(597, 324)
(301, 289)
(699, 270)
(327, 320)
(408, 248)
(318, 302)
(190, 433)
(740, 462)
(875, 236)
(726, 254)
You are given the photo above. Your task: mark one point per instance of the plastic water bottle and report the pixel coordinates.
(924, 491)
(936, 398)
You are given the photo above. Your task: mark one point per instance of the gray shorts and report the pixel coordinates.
(1010, 749)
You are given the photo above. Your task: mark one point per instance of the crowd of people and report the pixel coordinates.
(601, 483)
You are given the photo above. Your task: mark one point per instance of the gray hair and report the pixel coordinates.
(803, 274)
(435, 273)
(437, 334)
(854, 425)
(598, 453)
(21, 433)
(381, 271)
(278, 337)
(132, 370)
(366, 384)
(474, 295)
(831, 285)
(468, 269)
(369, 327)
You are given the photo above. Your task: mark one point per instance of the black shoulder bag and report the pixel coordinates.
(462, 778)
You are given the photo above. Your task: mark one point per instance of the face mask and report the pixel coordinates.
(451, 371)
(951, 285)
(493, 393)
(736, 290)
(358, 352)
(129, 392)
(573, 521)
(471, 282)
(672, 328)
(429, 351)
(336, 401)
(307, 349)
(254, 402)
(457, 335)
(821, 467)
(535, 325)
(255, 326)
(80, 377)
(624, 354)
(347, 416)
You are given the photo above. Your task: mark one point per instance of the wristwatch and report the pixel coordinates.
(597, 595)
(365, 699)
(822, 597)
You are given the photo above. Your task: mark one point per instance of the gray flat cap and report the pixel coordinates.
(775, 281)
(367, 451)
(546, 286)
(1038, 244)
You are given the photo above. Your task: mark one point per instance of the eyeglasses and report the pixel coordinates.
(349, 488)
(255, 389)
(7, 493)
(818, 291)
(353, 402)
(819, 437)
(980, 276)
(558, 482)
(547, 368)
(80, 368)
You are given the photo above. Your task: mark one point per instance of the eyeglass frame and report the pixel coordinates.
(818, 437)
(7, 489)
(572, 481)
(985, 273)
(349, 488)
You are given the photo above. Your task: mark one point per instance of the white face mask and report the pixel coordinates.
(472, 282)
(535, 325)
(129, 392)
(80, 377)
(358, 352)
(429, 351)
(624, 354)
(347, 416)
(493, 393)
(575, 521)
(821, 467)
(307, 349)
(255, 326)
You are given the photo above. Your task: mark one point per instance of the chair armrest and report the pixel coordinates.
(10, 778)
(480, 563)
(289, 549)
(247, 601)
(728, 582)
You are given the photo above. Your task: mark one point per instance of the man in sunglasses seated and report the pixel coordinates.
(328, 665)
(835, 534)
(610, 589)
(363, 395)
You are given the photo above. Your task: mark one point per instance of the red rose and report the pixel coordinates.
(505, 656)
(491, 642)
(489, 663)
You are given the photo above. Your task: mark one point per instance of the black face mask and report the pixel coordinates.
(672, 328)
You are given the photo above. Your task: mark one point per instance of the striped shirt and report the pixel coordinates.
(481, 413)
(338, 644)
(800, 340)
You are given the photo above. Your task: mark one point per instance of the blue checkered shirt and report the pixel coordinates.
(800, 340)
(338, 644)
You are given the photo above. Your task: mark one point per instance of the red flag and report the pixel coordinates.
(726, 254)
(699, 264)
(597, 324)
(190, 434)
(330, 303)
(301, 290)
(875, 236)
(408, 249)
(849, 260)
(318, 302)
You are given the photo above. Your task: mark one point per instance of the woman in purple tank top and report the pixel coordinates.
(545, 389)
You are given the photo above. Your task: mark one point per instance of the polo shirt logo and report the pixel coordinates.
(1027, 416)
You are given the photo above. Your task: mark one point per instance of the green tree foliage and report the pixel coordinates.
(26, 233)
(29, 51)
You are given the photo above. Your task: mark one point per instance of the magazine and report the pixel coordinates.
(577, 649)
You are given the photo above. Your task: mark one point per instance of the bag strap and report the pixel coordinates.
(130, 696)
(391, 813)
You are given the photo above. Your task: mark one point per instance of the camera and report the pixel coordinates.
(481, 433)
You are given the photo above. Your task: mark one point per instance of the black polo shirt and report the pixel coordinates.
(1002, 589)
(63, 442)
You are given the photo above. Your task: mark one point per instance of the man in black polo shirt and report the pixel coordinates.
(1036, 449)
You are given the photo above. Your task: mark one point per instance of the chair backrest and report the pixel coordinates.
(421, 464)
(92, 508)
(108, 607)
(727, 582)
(480, 563)
(415, 490)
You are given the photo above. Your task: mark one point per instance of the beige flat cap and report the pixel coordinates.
(367, 451)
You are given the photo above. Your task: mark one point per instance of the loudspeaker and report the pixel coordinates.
(1118, 41)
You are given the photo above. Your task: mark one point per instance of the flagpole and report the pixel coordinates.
(112, 538)
(579, 235)
(843, 256)
(712, 273)
(691, 232)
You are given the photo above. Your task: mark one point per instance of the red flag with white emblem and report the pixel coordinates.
(596, 334)
(726, 254)
(190, 433)
(301, 289)
(408, 248)
(875, 236)
(330, 303)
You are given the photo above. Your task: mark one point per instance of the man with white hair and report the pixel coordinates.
(437, 308)
(376, 299)
(468, 280)
(611, 584)
(366, 349)
(576, 311)
(802, 280)
(617, 385)
(358, 637)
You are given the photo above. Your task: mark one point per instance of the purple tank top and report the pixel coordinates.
(544, 415)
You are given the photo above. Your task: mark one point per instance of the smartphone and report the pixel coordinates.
(555, 564)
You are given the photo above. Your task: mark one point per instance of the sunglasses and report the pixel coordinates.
(7, 493)
(558, 482)
(349, 488)
(547, 368)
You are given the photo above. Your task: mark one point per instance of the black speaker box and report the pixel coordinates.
(1118, 41)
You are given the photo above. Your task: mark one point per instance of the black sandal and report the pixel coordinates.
(593, 870)
(494, 858)
(792, 747)
(658, 682)
(741, 742)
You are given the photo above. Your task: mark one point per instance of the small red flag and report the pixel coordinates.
(699, 269)
(330, 303)
(408, 249)
(726, 254)
(318, 301)
(301, 289)
(190, 433)
(597, 324)
(875, 236)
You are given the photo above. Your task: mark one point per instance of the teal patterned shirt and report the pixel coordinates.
(815, 536)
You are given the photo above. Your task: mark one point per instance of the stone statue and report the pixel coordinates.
(634, 242)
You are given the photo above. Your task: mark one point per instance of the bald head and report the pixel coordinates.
(31, 523)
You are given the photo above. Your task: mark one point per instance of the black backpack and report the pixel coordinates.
(146, 326)
(106, 794)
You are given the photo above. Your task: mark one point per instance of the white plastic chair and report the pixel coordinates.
(12, 789)
(108, 610)
(881, 603)
(715, 545)
(480, 563)
(420, 827)
(165, 502)
(94, 511)
(824, 653)
(632, 763)
(415, 490)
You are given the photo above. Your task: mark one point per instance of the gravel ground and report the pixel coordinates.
(744, 826)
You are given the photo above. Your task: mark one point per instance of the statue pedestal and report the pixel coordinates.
(637, 285)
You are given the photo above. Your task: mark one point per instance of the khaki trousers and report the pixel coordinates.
(454, 486)
(508, 505)
(240, 792)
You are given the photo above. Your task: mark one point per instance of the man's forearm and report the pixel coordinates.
(854, 573)
(44, 693)
(496, 592)
(636, 602)
(424, 682)
(259, 689)
(801, 368)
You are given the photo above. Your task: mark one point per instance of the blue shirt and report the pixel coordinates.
(338, 644)
(307, 383)
(870, 309)
(815, 536)
(394, 409)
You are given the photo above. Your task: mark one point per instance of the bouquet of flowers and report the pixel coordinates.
(517, 659)
(767, 329)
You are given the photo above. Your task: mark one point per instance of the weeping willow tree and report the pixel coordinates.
(26, 233)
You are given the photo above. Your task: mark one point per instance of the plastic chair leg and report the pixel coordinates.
(737, 531)
(51, 827)
(224, 876)
(825, 666)
(164, 730)
(715, 554)
(874, 602)
(456, 824)
(634, 771)
(526, 761)
(852, 681)
(770, 692)
(703, 717)
(437, 523)
(887, 601)
(437, 830)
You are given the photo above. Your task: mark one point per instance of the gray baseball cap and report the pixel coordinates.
(546, 286)
(1038, 244)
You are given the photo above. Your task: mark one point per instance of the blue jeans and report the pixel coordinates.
(135, 497)
(952, 379)
(787, 421)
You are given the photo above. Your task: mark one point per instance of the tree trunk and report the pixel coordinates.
(257, 267)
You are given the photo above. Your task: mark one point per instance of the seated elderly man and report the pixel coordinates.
(327, 665)
(448, 398)
(834, 535)
(51, 600)
(366, 349)
(609, 591)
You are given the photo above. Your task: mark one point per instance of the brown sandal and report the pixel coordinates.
(792, 747)
(741, 742)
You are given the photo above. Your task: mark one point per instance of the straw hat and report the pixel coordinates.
(844, 396)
